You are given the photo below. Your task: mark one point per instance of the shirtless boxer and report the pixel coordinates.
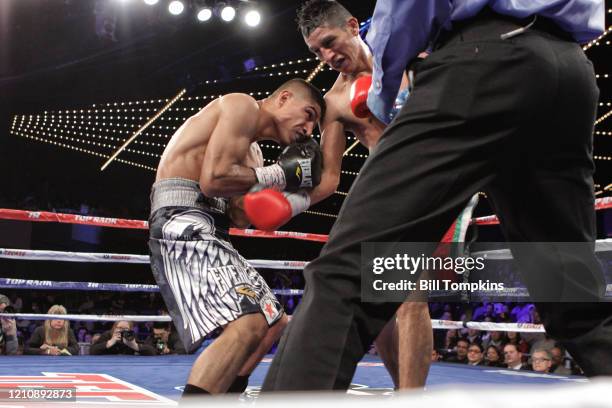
(205, 283)
(332, 34)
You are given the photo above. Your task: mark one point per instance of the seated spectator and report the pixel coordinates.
(513, 357)
(82, 334)
(486, 310)
(541, 361)
(495, 338)
(493, 357)
(17, 303)
(120, 339)
(451, 338)
(474, 335)
(545, 342)
(558, 361)
(516, 339)
(474, 355)
(95, 337)
(435, 356)
(54, 337)
(9, 344)
(164, 340)
(461, 351)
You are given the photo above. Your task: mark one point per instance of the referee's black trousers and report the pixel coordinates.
(510, 117)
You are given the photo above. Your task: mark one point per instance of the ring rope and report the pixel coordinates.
(436, 324)
(91, 318)
(45, 216)
(14, 283)
(65, 256)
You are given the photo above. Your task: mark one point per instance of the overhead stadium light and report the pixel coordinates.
(252, 18)
(227, 12)
(176, 7)
(205, 14)
(151, 2)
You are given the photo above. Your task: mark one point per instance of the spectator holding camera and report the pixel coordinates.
(121, 339)
(8, 329)
(54, 337)
(164, 340)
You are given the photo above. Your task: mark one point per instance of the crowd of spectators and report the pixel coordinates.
(517, 351)
(510, 349)
(57, 336)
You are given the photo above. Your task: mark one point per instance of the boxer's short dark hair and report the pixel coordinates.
(317, 13)
(311, 90)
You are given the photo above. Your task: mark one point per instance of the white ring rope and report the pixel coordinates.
(488, 326)
(91, 318)
(436, 324)
(41, 255)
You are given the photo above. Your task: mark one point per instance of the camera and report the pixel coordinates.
(128, 335)
(160, 345)
(8, 309)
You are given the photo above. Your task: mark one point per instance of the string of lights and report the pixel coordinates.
(142, 129)
(321, 214)
(282, 64)
(96, 132)
(318, 69)
(604, 117)
(596, 42)
(82, 150)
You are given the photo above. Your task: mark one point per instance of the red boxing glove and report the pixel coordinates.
(268, 209)
(359, 96)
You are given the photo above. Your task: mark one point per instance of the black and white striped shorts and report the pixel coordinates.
(204, 281)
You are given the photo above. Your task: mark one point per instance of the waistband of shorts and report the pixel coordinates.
(179, 192)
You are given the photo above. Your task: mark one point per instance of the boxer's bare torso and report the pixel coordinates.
(367, 130)
(184, 155)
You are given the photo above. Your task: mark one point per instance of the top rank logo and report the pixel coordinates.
(90, 388)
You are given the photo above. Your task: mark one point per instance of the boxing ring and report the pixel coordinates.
(158, 380)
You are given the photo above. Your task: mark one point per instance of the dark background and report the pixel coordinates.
(55, 56)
